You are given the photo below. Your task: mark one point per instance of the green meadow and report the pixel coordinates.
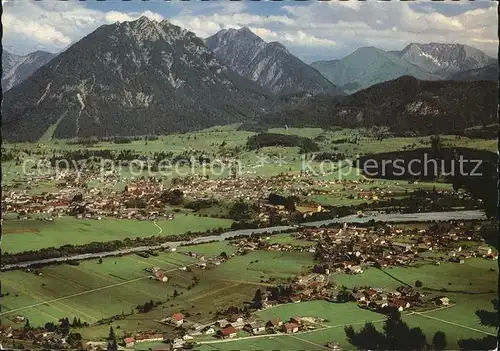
(25, 235)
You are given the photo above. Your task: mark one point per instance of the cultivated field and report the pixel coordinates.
(220, 140)
(209, 249)
(91, 291)
(94, 291)
(458, 321)
(289, 239)
(24, 235)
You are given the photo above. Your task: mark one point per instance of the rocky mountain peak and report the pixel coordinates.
(131, 78)
(245, 32)
(278, 46)
(269, 64)
(445, 59)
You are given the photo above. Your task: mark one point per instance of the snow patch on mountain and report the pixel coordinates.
(445, 59)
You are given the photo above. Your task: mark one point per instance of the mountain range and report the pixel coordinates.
(131, 78)
(489, 72)
(406, 105)
(271, 65)
(148, 77)
(368, 65)
(445, 59)
(16, 68)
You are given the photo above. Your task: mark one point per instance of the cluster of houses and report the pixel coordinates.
(349, 249)
(272, 326)
(253, 188)
(158, 274)
(91, 203)
(226, 328)
(379, 300)
(313, 286)
(206, 262)
(140, 337)
(99, 202)
(404, 297)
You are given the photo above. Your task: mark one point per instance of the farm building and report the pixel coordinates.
(177, 319)
(484, 250)
(129, 342)
(160, 276)
(443, 301)
(228, 332)
(274, 323)
(254, 328)
(290, 328)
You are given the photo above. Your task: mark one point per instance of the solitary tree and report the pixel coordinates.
(27, 325)
(436, 143)
(112, 345)
(257, 300)
(439, 341)
(111, 335)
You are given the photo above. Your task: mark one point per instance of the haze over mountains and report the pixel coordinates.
(369, 65)
(147, 77)
(269, 64)
(445, 59)
(489, 72)
(16, 68)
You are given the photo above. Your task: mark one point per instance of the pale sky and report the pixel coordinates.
(311, 30)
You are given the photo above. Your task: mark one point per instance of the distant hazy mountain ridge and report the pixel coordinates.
(445, 59)
(484, 73)
(270, 65)
(368, 66)
(16, 68)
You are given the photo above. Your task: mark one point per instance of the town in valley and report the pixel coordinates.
(173, 182)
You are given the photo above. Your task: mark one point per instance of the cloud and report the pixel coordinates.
(115, 16)
(52, 26)
(43, 33)
(315, 30)
(294, 38)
